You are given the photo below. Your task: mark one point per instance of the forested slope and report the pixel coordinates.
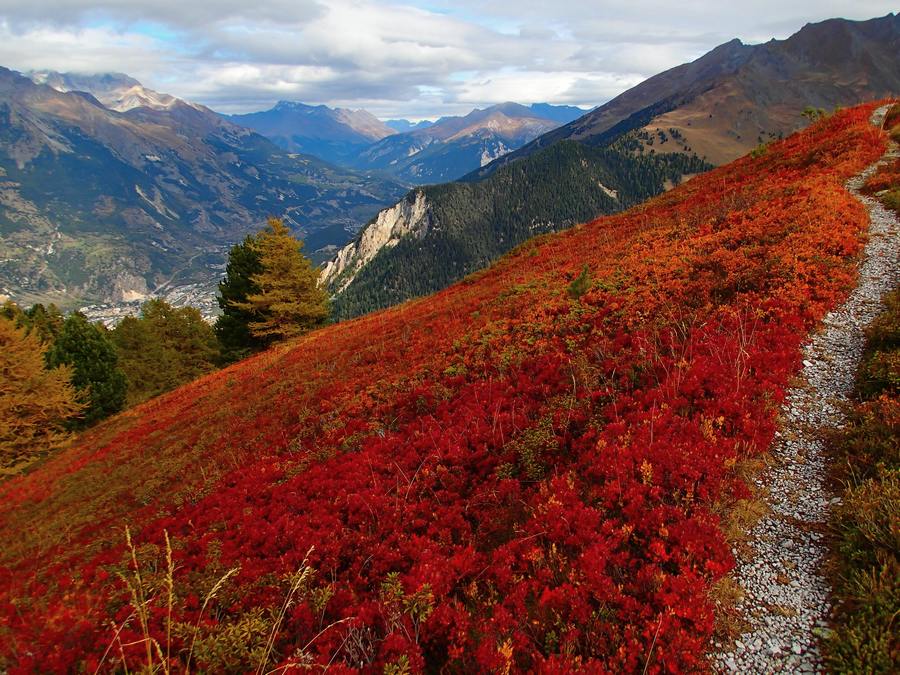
(476, 223)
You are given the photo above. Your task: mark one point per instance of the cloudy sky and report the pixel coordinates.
(406, 58)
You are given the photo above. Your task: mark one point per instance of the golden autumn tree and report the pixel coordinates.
(289, 301)
(34, 402)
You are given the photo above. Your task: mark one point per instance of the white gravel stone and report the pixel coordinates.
(785, 543)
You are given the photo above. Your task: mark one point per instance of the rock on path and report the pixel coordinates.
(786, 596)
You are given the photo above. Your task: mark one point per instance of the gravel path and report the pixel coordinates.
(786, 597)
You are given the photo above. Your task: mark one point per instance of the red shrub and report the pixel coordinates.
(494, 477)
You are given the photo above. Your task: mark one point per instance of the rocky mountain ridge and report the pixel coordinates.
(409, 217)
(115, 91)
(738, 96)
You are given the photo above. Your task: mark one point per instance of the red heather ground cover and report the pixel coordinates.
(497, 477)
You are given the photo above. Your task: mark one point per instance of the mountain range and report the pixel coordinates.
(735, 98)
(453, 146)
(333, 134)
(426, 152)
(110, 191)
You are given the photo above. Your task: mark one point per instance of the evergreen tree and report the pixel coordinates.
(34, 402)
(164, 348)
(232, 328)
(11, 311)
(289, 301)
(96, 373)
(45, 321)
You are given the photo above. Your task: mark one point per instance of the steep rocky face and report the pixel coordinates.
(102, 205)
(411, 216)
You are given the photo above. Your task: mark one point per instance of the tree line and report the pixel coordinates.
(63, 373)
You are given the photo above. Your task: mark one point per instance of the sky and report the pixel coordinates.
(409, 58)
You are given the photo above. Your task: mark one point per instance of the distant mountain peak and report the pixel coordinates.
(402, 125)
(115, 91)
(333, 134)
(454, 145)
(297, 106)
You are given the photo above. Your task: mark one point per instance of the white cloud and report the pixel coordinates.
(79, 50)
(399, 58)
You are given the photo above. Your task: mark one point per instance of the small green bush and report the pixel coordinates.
(892, 199)
(880, 368)
(581, 284)
(870, 521)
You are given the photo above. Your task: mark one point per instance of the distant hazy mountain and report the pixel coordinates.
(687, 118)
(558, 113)
(98, 204)
(333, 134)
(402, 126)
(737, 96)
(115, 91)
(453, 146)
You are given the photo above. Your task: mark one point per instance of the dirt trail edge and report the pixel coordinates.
(786, 596)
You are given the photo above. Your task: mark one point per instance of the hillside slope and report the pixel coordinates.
(98, 204)
(711, 110)
(457, 228)
(737, 96)
(520, 472)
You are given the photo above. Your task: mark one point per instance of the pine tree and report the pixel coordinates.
(289, 301)
(11, 311)
(34, 402)
(233, 325)
(96, 372)
(45, 321)
(164, 348)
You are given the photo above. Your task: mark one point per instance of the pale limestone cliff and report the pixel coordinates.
(411, 216)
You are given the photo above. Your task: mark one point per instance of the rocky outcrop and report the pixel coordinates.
(412, 216)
